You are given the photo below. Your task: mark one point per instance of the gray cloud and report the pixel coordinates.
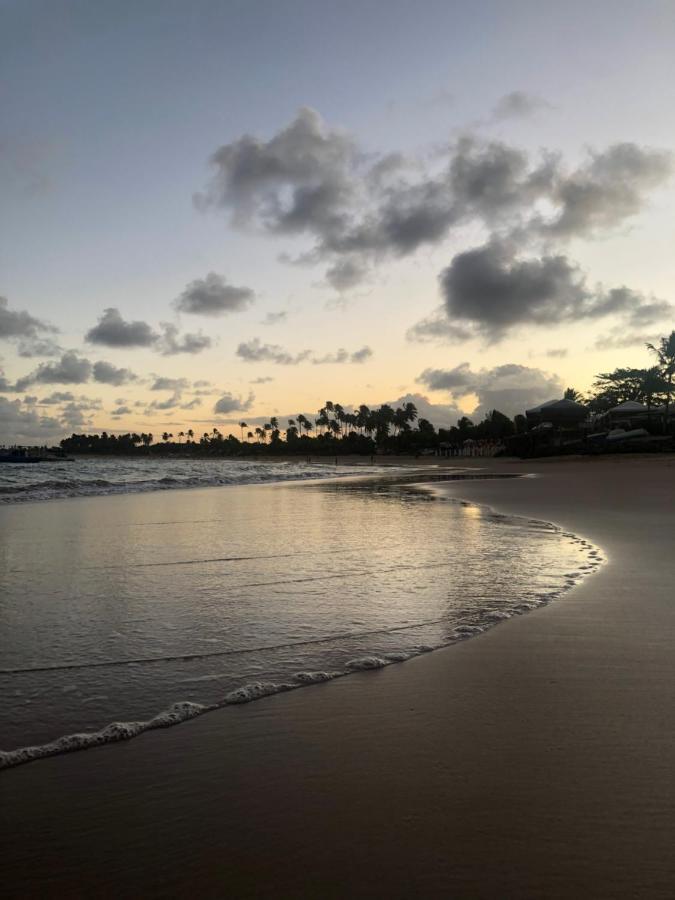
(273, 318)
(228, 403)
(75, 416)
(38, 346)
(620, 337)
(171, 343)
(305, 159)
(607, 190)
(106, 373)
(213, 296)
(264, 379)
(162, 383)
(436, 328)
(518, 105)
(113, 331)
(20, 424)
(490, 290)
(120, 411)
(169, 403)
(56, 398)
(19, 323)
(557, 352)
(71, 369)
(510, 388)
(342, 356)
(442, 415)
(346, 274)
(358, 207)
(255, 351)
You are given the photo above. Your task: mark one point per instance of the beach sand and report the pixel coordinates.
(534, 761)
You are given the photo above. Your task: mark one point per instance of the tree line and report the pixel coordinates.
(385, 428)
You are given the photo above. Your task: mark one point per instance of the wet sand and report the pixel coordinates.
(536, 760)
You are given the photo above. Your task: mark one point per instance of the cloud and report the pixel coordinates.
(56, 398)
(342, 356)
(489, 290)
(346, 274)
(608, 189)
(19, 424)
(113, 331)
(358, 208)
(162, 383)
(436, 328)
(510, 388)
(620, 338)
(19, 323)
(264, 379)
(171, 343)
(228, 403)
(76, 416)
(213, 296)
(441, 415)
(35, 346)
(557, 352)
(71, 369)
(305, 160)
(255, 351)
(107, 373)
(273, 318)
(518, 105)
(120, 411)
(169, 403)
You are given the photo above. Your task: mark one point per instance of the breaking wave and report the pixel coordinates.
(88, 477)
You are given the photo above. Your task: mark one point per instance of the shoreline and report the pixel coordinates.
(533, 760)
(182, 711)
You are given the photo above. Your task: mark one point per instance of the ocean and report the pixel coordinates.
(125, 607)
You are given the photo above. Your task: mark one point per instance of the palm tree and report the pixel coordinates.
(166, 436)
(322, 419)
(190, 434)
(653, 384)
(410, 411)
(260, 434)
(181, 435)
(572, 394)
(242, 425)
(339, 415)
(249, 436)
(665, 353)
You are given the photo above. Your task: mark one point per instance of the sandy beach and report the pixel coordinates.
(534, 761)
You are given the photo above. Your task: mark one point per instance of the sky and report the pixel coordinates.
(224, 211)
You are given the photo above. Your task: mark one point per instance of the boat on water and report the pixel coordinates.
(24, 455)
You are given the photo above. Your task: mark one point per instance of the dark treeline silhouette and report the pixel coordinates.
(386, 429)
(333, 431)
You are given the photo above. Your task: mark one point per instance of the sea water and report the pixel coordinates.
(136, 611)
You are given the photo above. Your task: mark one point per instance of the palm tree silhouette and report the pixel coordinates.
(665, 353)
(242, 425)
